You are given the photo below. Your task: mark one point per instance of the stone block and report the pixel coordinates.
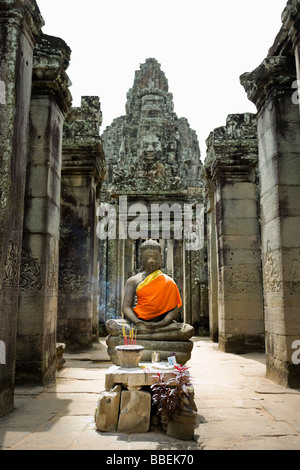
(279, 169)
(290, 230)
(288, 167)
(238, 327)
(267, 146)
(239, 191)
(270, 206)
(283, 373)
(248, 242)
(135, 410)
(241, 280)
(42, 216)
(245, 310)
(276, 322)
(289, 197)
(271, 236)
(281, 233)
(241, 343)
(135, 379)
(107, 413)
(238, 226)
(280, 201)
(229, 255)
(280, 346)
(246, 208)
(44, 182)
(279, 121)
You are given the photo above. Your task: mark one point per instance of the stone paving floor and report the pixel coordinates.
(238, 408)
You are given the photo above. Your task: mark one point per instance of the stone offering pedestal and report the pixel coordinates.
(125, 405)
(135, 379)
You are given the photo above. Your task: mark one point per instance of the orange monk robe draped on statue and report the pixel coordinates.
(156, 295)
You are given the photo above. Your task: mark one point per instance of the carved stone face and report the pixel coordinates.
(151, 259)
(150, 148)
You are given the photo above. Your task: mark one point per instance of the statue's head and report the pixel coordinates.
(150, 148)
(151, 256)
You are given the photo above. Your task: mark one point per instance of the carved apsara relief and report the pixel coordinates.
(272, 278)
(294, 276)
(30, 273)
(12, 266)
(242, 280)
(71, 280)
(52, 277)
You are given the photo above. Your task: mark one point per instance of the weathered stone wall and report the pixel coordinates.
(83, 169)
(270, 88)
(20, 23)
(231, 165)
(233, 231)
(37, 318)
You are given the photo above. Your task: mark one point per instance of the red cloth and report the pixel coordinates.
(157, 297)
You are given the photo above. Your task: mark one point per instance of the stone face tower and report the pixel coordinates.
(152, 157)
(151, 138)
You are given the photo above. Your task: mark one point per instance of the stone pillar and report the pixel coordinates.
(83, 170)
(269, 87)
(212, 259)
(103, 271)
(50, 101)
(195, 291)
(20, 23)
(233, 170)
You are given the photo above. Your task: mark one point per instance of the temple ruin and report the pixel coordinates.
(60, 281)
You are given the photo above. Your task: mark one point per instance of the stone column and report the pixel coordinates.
(83, 170)
(103, 265)
(269, 87)
(195, 291)
(212, 258)
(50, 101)
(233, 170)
(20, 23)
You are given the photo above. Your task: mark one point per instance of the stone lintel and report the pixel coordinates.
(51, 58)
(155, 196)
(88, 161)
(274, 76)
(228, 171)
(24, 14)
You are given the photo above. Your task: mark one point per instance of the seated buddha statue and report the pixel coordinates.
(153, 316)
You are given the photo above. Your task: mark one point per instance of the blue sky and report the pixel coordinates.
(203, 47)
